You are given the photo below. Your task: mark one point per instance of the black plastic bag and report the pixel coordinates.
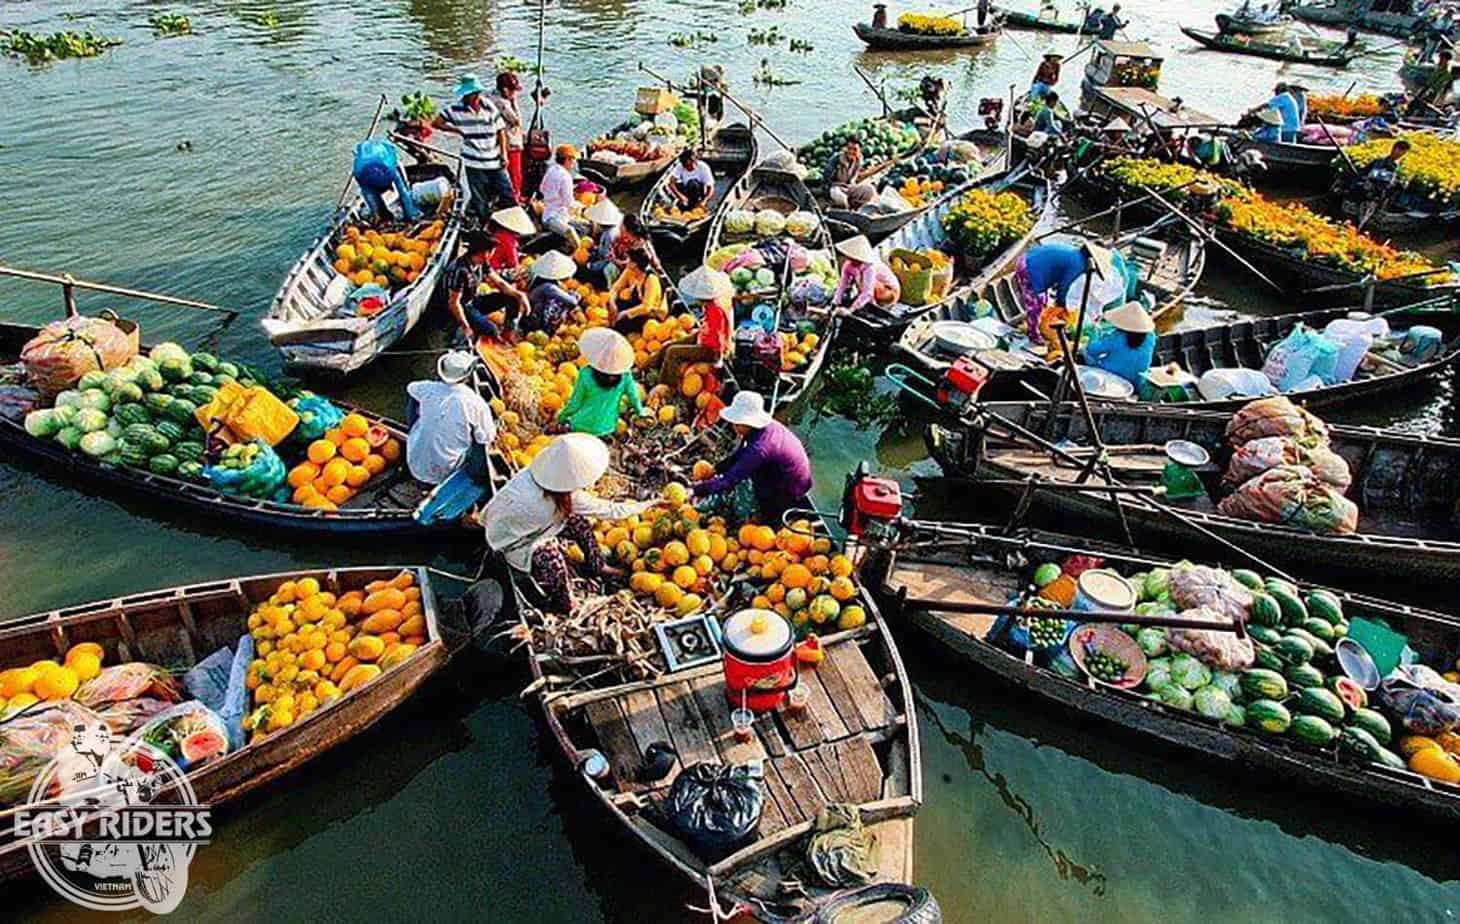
(714, 807)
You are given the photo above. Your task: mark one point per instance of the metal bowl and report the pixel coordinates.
(1103, 384)
(1112, 641)
(1192, 455)
(960, 338)
(1356, 663)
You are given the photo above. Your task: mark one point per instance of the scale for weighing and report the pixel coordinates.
(689, 642)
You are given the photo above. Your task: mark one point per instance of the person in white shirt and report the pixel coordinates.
(690, 180)
(556, 190)
(453, 425)
(530, 521)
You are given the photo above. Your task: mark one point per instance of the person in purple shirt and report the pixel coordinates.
(769, 455)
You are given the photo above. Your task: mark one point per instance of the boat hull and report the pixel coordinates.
(896, 40)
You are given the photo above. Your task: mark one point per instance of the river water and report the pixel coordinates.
(455, 806)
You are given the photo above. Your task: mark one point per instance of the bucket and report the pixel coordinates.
(428, 194)
(759, 662)
(1101, 591)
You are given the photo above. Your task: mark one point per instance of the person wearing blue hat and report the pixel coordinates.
(484, 146)
(377, 168)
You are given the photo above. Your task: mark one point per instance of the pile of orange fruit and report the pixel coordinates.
(23, 687)
(802, 580)
(919, 191)
(314, 646)
(342, 462)
(390, 260)
(657, 334)
(797, 351)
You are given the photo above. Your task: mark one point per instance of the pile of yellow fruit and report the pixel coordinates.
(919, 191)
(23, 687)
(796, 351)
(658, 334)
(314, 647)
(389, 260)
(672, 558)
(672, 212)
(340, 463)
(804, 582)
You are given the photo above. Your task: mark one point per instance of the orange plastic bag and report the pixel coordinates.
(64, 351)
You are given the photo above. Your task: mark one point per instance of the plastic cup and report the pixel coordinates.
(742, 721)
(797, 699)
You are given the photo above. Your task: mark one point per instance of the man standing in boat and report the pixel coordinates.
(1110, 23)
(1376, 186)
(484, 146)
(453, 425)
(1436, 89)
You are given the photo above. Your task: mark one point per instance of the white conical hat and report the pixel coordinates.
(571, 462)
(705, 284)
(606, 350)
(1130, 317)
(604, 212)
(748, 409)
(554, 265)
(858, 248)
(515, 219)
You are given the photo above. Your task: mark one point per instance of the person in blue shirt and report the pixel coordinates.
(1048, 118)
(1289, 119)
(1048, 273)
(1124, 343)
(377, 169)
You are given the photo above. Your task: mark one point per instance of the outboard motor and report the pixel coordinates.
(870, 505)
(962, 382)
(991, 110)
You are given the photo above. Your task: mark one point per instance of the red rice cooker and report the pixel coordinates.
(760, 666)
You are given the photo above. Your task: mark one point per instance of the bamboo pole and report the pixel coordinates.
(69, 284)
(379, 111)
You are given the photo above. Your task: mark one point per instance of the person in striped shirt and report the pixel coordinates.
(484, 144)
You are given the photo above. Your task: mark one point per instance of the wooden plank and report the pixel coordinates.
(819, 707)
(868, 696)
(617, 742)
(709, 694)
(777, 802)
(822, 762)
(770, 734)
(860, 769)
(947, 583)
(894, 849)
(805, 794)
(685, 724)
(791, 807)
(842, 696)
(641, 709)
(803, 729)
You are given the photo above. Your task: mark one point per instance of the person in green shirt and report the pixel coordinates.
(601, 388)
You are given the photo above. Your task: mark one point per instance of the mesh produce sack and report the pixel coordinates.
(1257, 456)
(64, 351)
(129, 681)
(1275, 416)
(30, 741)
(1223, 651)
(1292, 496)
(1194, 586)
(262, 478)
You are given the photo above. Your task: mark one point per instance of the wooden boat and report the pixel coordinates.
(1014, 19)
(993, 154)
(1396, 219)
(731, 155)
(856, 744)
(308, 320)
(1359, 14)
(897, 40)
(766, 187)
(1290, 161)
(1414, 76)
(1169, 271)
(954, 565)
(614, 175)
(1239, 24)
(875, 326)
(1327, 54)
(1405, 486)
(179, 626)
(385, 505)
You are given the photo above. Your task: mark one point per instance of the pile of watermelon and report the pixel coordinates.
(1293, 688)
(141, 415)
(880, 139)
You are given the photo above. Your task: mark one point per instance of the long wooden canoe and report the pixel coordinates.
(960, 563)
(1406, 486)
(1291, 161)
(615, 175)
(1396, 219)
(178, 626)
(1014, 19)
(307, 320)
(384, 505)
(876, 326)
(1327, 54)
(856, 744)
(897, 40)
(1169, 278)
(1235, 24)
(731, 156)
(766, 187)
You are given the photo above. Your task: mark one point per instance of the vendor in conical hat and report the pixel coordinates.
(551, 304)
(1123, 343)
(605, 385)
(545, 506)
(770, 456)
(1052, 282)
(606, 223)
(509, 226)
(864, 272)
(710, 294)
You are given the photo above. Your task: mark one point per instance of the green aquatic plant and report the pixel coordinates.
(266, 18)
(168, 25)
(850, 390)
(58, 46)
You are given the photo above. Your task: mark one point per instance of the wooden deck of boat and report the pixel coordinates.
(954, 584)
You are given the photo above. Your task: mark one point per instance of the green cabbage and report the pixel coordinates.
(166, 351)
(1212, 701)
(93, 379)
(1157, 583)
(70, 437)
(1229, 684)
(97, 444)
(1236, 715)
(1138, 581)
(66, 414)
(1190, 673)
(1152, 641)
(89, 420)
(68, 398)
(1174, 695)
(95, 398)
(1151, 608)
(42, 424)
(1158, 673)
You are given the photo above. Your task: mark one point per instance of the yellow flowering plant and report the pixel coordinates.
(1332, 105)
(1431, 169)
(928, 24)
(983, 222)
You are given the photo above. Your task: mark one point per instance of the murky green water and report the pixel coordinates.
(455, 807)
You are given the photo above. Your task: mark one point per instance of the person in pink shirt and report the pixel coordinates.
(864, 270)
(556, 190)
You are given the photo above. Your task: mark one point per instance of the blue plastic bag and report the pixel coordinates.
(261, 478)
(316, 415)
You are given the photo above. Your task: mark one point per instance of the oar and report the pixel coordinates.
(876, 90)
(69, 284)
(379, 111)
(1211, 238)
